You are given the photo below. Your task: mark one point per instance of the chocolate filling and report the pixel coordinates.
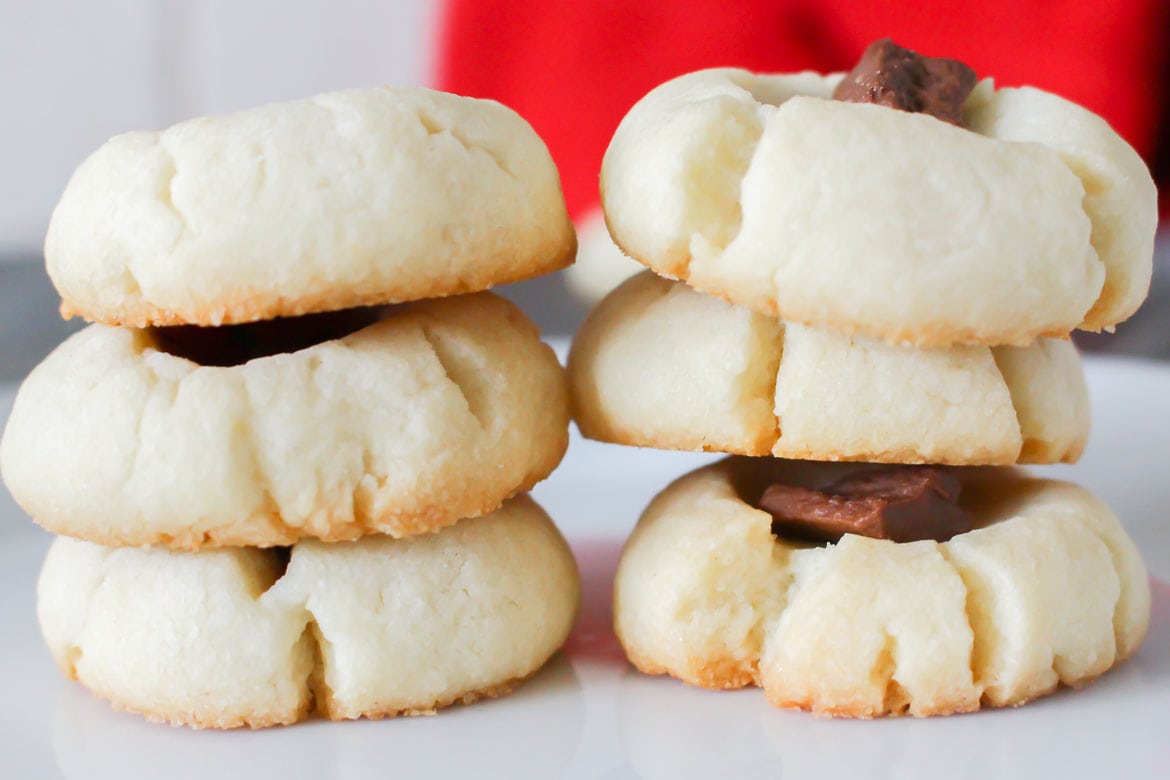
(899, 503)
(892, 76)
(233, 345)
(282, 555)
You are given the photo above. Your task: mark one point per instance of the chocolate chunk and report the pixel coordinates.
(892, 76)
(233, 345)
(901, 503)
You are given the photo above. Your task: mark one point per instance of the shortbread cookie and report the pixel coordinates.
(1032, 220)
(373, 628)
(659, 365)
(1047, 589)
(439, 411)
(347, 199)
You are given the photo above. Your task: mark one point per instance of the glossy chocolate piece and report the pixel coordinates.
(901, 503)
(892, 76)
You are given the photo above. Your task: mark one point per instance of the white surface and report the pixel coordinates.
(588, 715)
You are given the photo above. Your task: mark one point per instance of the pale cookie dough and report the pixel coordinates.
(759, 189)
(439, 412)
(373, 628)
(658, 364)
(1047, 590)
(350, 198)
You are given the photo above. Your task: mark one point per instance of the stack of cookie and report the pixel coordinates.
(294, 471)
(879, 272)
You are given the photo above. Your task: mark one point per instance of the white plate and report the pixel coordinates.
(588, 715)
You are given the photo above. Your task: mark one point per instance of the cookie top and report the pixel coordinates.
(241, 636)
(1046, 589)
(658, 364)
(1032, 219)
(347, 199)
(439, 410)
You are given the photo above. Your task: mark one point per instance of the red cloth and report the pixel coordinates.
(574, 68)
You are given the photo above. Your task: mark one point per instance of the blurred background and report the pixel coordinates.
(73, 73)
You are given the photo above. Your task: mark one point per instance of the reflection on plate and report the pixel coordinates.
(89, 741)
(1116, 727)
(590, 715)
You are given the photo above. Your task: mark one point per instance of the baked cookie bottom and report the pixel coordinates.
(375, 628)
(658, 364)
(1048, 590)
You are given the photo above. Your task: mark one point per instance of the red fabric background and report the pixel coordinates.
(574, 68)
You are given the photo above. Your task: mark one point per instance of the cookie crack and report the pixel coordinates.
(429, 123)
(1030, 447)
(769, 616)
(435, 127)
(1120, 651)
(245, 433)
(167, 193)
(71, 659)
(130, 283)
(895, 698)
(153, 386)
(319, 101)
(1094, 186)
(491, 154)
(261, 171)
(714, 188)
(320, 693)
(74, 652)
(969, 612)
(778, 429)
(456, 375)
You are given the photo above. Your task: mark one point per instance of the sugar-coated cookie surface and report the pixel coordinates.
(373, 628)
(438, 412)
(1034, 219)
(349, 198)
(1047, 590)
(658, 364)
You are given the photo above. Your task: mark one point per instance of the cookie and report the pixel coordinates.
(658, 364)
(438, 411)
(347, 199)
(1031, 220)
(373, 628)
(1046, 590)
